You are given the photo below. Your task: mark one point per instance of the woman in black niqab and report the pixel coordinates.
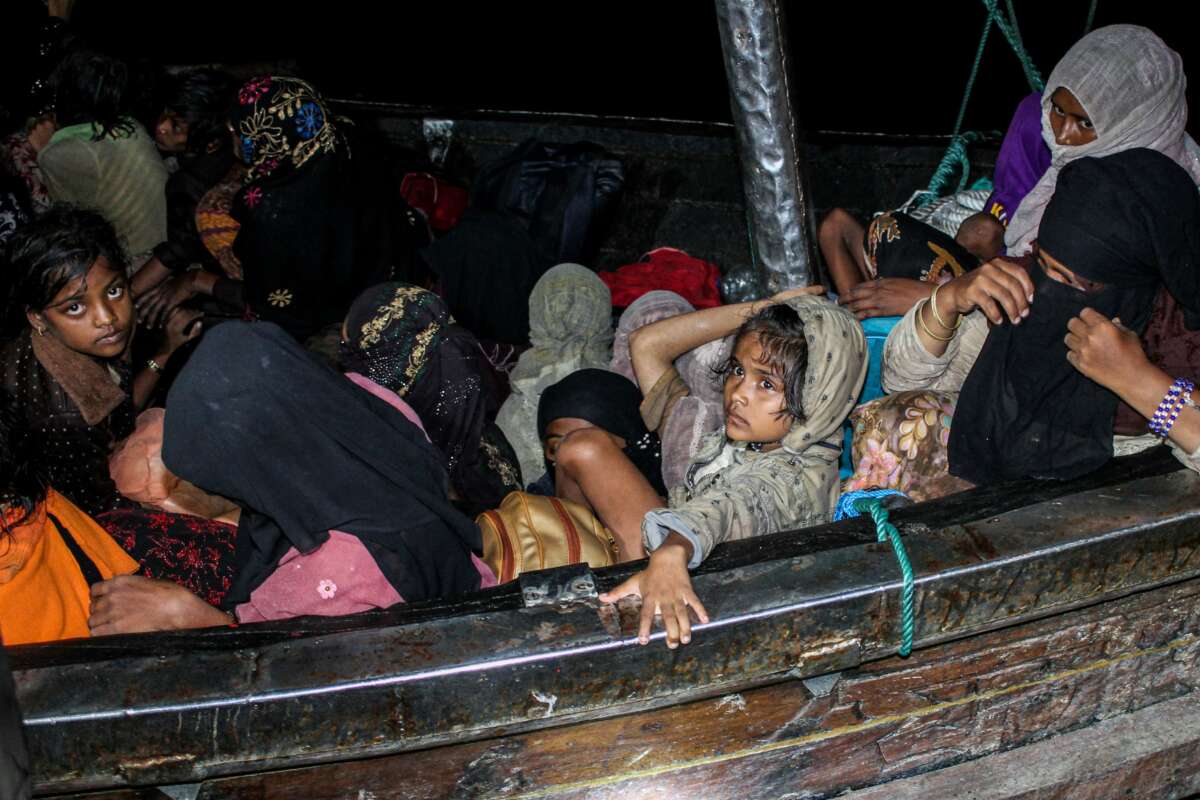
(256, 419)
(1125, 224)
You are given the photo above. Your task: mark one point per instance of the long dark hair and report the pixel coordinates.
(50, 252)
(92, 87)
(780, 333)
(202, 98)
(21, 489)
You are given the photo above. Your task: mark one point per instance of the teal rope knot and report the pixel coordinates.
(887, 532)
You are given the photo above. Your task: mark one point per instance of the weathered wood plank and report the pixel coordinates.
(364, 693)
(1154, 752)
(882, 721)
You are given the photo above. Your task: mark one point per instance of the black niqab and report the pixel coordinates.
(1130, 222)
(255, 418)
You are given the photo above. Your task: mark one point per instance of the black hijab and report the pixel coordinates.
(1130, 222)
(903, 247)
(609, 401)
(486, 267)
(255, 418)
(403, 337)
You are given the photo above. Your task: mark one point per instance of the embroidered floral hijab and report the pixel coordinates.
(281, 123)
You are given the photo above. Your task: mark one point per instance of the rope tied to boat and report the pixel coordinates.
(852, 504)
(956, 154)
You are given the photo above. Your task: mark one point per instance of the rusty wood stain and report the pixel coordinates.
(869, 725)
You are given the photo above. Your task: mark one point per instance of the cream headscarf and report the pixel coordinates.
(570, 328)
(694, 416)
(1132, 86)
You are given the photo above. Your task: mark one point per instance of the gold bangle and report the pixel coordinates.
(924, 327)
(938, 317)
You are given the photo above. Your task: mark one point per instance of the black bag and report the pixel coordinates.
(562, 193)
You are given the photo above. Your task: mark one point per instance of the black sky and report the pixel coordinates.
(868, 66)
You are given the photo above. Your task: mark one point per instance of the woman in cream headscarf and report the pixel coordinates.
(1117, 88)
(570, 328)
(794, 373)
(685, 407)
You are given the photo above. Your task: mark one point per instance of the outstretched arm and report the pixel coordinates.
(654, 347)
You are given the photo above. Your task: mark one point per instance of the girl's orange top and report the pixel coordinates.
(44, 595)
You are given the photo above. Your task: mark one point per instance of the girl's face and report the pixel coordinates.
(92, 315)
(1070, 122)
(755, 405)
(171, 133)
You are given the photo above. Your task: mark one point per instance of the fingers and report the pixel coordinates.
(1019, 274)
(106, 587)
(990, 309)
(671, 624)
(629, 588)
(816, 289)
(1092, 317)
(692, 600)
(1073, 342)
(645, 621)
(998, 290)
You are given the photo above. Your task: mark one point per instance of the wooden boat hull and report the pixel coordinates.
(1040, 608)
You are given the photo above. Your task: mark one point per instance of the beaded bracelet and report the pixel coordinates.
(1168, 410)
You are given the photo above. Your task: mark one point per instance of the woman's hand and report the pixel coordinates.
(155, 304)
(885, 297)
(802, 291)
(136, 604)
(666, 589)
(997, 288)
(182, 325)
(1105, 351)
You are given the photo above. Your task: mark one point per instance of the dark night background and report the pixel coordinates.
(862, 66)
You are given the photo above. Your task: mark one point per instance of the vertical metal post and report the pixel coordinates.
(754, 40)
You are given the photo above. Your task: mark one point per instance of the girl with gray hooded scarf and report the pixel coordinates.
(795, 370)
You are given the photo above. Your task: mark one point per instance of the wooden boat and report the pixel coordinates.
(1057, 625)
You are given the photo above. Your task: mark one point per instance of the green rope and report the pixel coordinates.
(887, 532)
(956, 153)
(1008, 27)
(1091, 17)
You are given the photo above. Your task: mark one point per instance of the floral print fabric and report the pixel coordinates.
(900, 442)
(280, 123)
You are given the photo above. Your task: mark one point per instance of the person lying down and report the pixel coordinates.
(344, 500)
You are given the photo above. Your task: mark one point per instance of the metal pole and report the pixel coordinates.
(754, 39)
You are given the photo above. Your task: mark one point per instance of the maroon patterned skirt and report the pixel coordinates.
(194, 552)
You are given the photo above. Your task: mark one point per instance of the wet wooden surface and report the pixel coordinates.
(888, 720)
(1152, 753)
(199, 715)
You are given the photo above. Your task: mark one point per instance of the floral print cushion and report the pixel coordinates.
(900, 442)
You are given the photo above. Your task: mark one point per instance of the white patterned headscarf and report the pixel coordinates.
(570, 328)
(1132, 87)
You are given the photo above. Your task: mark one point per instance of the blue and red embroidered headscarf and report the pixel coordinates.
(280, 124)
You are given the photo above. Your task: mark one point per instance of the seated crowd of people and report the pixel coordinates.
(239, 391)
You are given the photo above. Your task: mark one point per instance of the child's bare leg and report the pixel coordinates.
(840, 237)
(592, 469)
